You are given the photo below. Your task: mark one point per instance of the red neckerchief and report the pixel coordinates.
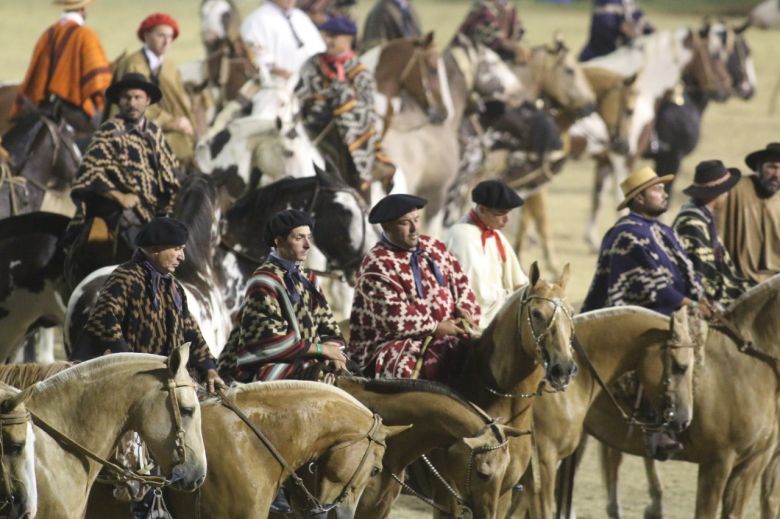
(487, 232)
(333, 66)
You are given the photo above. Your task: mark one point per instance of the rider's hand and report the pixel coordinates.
(214, 381)
(445, 328)
(128, 200)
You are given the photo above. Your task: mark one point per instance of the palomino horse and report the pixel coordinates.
(91, 405)
(429, 154)
(44, 160)
(615, 340)
(18, 487)
(733, 433)
(323, 423)
(31, 277)
(8, 92)
(527, 345)
(440, 419)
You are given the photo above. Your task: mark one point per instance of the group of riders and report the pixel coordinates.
(419, 301)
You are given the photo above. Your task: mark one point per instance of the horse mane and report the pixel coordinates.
(619, 311)
(306, 385)
(33, 223)
(266, 198)
(25, 375)
(79, 371)
(769, 285)
(403, 385)
(195, 207)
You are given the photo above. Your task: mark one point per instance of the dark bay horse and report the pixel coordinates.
(43, 158)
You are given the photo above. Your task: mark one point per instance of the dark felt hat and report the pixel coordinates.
(133, 80)
(393, 207)
(495, 195)
(339, 25)
(285, 221)
(162, 231)
(711, 179)
(772, 151)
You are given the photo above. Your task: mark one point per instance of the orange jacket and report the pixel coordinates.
(81, 71)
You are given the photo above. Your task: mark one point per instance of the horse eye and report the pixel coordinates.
(13, 448)
(375, 472)
(569, 71)
(189, 412)
(536, 314)
(679, 369)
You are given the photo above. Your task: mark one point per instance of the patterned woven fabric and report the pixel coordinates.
(494, 24)
(641, 262)
(273, 335)
(349, 104)
(390, 323)
(696, 229)
(123, 158)
(606, 24)
(124, 319)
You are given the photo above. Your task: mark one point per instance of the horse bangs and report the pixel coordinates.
(82, 370)
(293, 385)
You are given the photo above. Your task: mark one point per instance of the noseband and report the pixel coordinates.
(15, 418)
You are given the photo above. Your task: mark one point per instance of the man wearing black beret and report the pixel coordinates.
(142, 308)
(413, 305)
(487, 257)
(285, 327)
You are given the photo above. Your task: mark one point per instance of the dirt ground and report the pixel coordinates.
(730, 131)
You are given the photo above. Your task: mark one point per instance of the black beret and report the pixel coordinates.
(393, 207)
(285, 221)
(495, 195)
(162, 231)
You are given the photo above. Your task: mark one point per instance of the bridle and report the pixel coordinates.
(316, 506)
(418, 60)
(541, 355)
(6, 419)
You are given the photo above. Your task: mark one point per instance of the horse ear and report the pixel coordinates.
(427, 40)
(533, 274)
(392, 430)
(177, 360)
(19, 399)
(630, 80)
(564, 279)
(743, 27)
(511, 432)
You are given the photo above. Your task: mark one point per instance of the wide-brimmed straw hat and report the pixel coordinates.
(71, 4)
(638, 181)
(711, 179)
(133, 80)
(754, 160)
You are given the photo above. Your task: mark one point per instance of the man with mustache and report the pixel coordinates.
(751, 220)
(413, 307)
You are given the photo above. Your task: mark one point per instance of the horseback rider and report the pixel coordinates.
(285, 327)
(142, 308)
(69, 71)
(413, 309)
(127, 175)
(696, 227)
(751, 224)
(337, 93)
(614, 23)
(641, 262)
(173, 114)
(491, 265)
(494, 24)
(390, 20)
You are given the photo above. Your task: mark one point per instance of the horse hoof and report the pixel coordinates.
(652, 512)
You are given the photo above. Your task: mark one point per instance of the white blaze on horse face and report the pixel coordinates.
(494, 78)
(212, 27)
(30, 481)
(356, 225)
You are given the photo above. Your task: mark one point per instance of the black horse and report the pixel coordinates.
(42, 156)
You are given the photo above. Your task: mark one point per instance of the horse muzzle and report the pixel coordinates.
(559, 375)
(745, 90)
(187, 478)
(585, 110)
(437, 115)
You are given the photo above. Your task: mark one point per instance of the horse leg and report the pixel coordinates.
(710, 484)
(526, 216)
(741, 482)
(610, 466)
(655, 510)
(539, 208)
(378, 497)
(602, 173)
(770, 488)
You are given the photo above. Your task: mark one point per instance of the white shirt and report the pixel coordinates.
(268, 32)
(155, 61)
(72, 16)
(492, 280)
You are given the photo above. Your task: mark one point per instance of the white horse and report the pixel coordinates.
(766, 15)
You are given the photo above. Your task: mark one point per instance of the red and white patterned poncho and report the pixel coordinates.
(390, 322)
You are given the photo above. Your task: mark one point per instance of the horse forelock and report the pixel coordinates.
(297, 385)
(95, 368)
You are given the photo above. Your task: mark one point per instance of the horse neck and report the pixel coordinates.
(529, 77)
(437, 421)
(758, 315)
(458, 85)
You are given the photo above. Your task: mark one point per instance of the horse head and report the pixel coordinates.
(667, 376)
(617, 97)
(765, 15)
(493, 79)
(546, 327)
(18, 488)
(219, 22)
(739, 62)
(707, 68)
(413, 65)
(169, 421)
(348, 466)
(561, 79)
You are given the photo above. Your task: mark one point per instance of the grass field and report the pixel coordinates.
(729, 132)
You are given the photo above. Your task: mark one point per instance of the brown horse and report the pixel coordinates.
(616, 340)
(18, 487)
(9, 90)
(303, 421)
(440, 420)
(526, 345)
(733, 433)
(94, 404)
